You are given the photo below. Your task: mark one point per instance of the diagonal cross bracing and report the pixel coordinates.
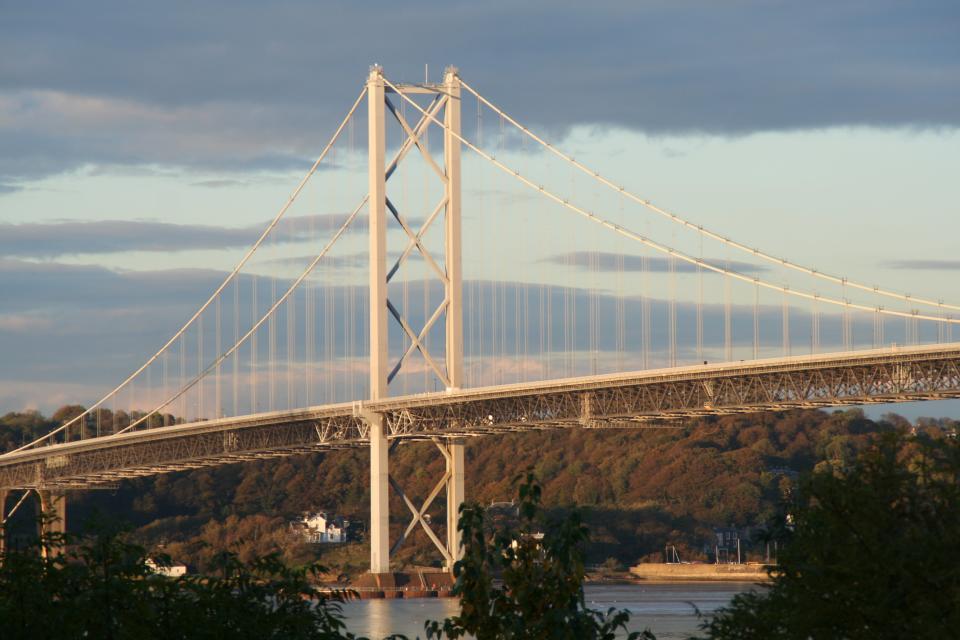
(416, 340)
(415, 137)
(416, 240)
(419, 513)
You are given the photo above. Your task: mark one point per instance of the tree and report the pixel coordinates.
(540, 564)
(102, 587)
(870, 551)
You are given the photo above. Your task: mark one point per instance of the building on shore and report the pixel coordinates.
(727, 547)
(170, 571)
(320, 528)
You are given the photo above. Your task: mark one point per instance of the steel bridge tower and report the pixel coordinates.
(444, 108)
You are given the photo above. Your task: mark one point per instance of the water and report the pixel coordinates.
(666, 609)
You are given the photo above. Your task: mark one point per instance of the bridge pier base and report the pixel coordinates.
(455, 497)
(379, 498)
(453, 482)
(53, 506)
(3, 519)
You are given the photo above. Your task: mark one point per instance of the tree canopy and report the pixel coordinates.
(869, 550)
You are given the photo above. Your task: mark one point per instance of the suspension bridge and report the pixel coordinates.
(536, 294)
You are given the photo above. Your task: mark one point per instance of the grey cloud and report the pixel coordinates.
(68, 323)
(27, 286)
(235, 85)
(608, 261)
(358, 260)
(925, 265)
(219, 184)
(48, 240)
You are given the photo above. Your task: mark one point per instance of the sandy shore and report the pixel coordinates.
(753, 572)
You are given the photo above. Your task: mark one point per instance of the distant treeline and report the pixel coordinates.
(640, 489)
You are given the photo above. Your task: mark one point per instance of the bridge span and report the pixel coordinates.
(445, 340)
(609, 401)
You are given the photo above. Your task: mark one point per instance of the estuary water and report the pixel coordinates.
(669, 610)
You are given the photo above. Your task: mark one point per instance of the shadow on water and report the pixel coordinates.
(666, 609)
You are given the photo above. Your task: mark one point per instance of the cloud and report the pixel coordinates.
(45, 131)
(23, 323)
(66, 325)
(608, 261)
(924, 265)
(219, 184)
(53, 239)
(229, 85)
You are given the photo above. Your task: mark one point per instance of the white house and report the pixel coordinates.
(319, 528)
(172, 571)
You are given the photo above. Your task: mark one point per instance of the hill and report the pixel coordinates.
(640, 489)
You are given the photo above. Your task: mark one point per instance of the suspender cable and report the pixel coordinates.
(525, 218)
(845, 319)
(814, 326)
(200, 413)
(700, 305)
(271, 349)
(672, 307)
(347, 342)
(877, 329)
(592, 311)
(941, 328)
(727, 319)
(290, 308)
(756, 322)
(183, 378)
(574, 290)
(620, 311)
(329, 331)
(502, 279)
(254, 313)
(482, 250)
(645, 331)
(236, 359)
(309, 300)
(217, 409)
(165, 363)
(785, 316)
(567, 340)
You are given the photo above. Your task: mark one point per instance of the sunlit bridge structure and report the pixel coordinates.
(441, 273)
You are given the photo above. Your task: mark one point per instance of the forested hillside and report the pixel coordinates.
(640, 489)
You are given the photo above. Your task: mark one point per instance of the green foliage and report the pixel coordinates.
(104, 588)
(637, 490)
(872, 552)
(540, 569)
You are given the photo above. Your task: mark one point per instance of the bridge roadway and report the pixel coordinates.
(604, 401)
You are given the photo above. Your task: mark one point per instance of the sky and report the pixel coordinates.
(143, 148)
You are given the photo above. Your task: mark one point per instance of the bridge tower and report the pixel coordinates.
(445, 107)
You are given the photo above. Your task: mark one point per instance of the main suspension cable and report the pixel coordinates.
(223, 285)
(669, 250)
(269, 314)
(700, 228)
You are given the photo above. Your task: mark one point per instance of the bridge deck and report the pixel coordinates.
(604, 401)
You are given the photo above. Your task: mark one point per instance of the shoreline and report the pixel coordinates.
(666, 573)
